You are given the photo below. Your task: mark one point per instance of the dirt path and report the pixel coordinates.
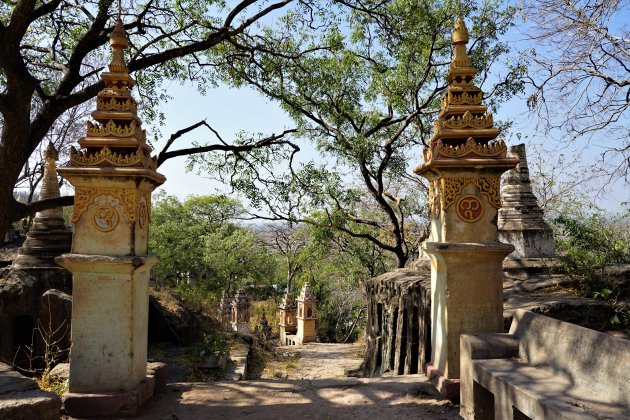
(313, 386)
(314, 361)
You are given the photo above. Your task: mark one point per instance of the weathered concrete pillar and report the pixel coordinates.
(463, 165)
(48, 236)
(521, 220)
(306, 316)
(113, 175)
(288, 322)
(240, 313)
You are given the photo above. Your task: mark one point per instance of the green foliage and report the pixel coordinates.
(203, 251)
(362, 83)
(336, 265)
(589, 245)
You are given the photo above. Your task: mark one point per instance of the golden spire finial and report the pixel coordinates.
(51, 152)
(460, 34)
(118, 41)
(460, 39)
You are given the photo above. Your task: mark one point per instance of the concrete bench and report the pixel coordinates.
(544, 369)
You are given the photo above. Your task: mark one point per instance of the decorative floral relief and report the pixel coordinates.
(83, 197)
(489, 186)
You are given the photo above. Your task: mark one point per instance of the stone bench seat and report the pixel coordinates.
(548, 394)
(544, 369)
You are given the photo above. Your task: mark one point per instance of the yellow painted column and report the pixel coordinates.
(463, 163)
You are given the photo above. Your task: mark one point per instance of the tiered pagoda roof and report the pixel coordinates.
(464, 128)
(306, 294)
(116, 139)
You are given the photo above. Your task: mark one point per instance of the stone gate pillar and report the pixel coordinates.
(463, 164)
(113, 175)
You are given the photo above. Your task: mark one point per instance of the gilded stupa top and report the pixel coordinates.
(117, 138)
(51, 152)
(464, 128)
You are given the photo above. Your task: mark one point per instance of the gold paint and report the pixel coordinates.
(469, 120)
(434, 198)
(118, 41)
(489, 186)
(460, 34)
(465, 98)
(110, 128)
(469, 209)
(495, 149)
(111, 104)
(117, 159)
(83, 197)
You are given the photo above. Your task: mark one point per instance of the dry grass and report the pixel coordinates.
(280, 362)
(167, 299)
(46, 383)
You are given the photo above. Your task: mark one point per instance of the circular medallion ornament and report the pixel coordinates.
(469, 208)
(105, 218)
(143, 215)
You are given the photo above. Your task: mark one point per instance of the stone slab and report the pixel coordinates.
(545, 368)
(21, 398)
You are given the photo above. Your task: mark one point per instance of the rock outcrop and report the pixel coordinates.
(21, 398)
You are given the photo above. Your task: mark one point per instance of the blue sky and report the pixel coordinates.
(232, 110)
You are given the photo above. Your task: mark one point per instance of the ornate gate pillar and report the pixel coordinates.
(113, 175)
(463, 164)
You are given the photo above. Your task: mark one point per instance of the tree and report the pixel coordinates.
(288, 241)
(580, 73)
(177, 233)
(200, 244)
(51, 53)
(364, 88)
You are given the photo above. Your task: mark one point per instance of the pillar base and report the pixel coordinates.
(117, 403)
(448, 388)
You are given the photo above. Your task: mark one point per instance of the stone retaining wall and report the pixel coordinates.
(398, 333)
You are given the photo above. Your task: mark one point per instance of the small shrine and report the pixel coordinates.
(463, 164)
(288, 321)
(48, 236)
(240, 313)
(306, 316)
(113, 174)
